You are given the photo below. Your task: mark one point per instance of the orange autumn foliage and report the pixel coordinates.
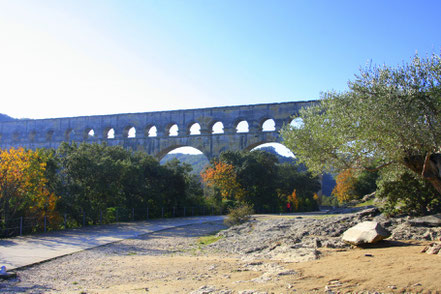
(23, 187)
(317, 198)
(345, 185)
(223, 176)
(294, 200)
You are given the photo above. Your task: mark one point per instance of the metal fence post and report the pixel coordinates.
(65, 221)
(45, 219)
(21, 225)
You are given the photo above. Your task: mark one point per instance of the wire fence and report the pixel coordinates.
(28, 225)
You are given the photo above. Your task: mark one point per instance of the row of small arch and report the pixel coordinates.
(151, 131)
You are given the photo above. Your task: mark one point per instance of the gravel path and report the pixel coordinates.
(109, 264)
(257, 257)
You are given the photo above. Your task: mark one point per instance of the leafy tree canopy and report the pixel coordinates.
(389, 115)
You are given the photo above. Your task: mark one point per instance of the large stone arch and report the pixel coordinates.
(51, 132)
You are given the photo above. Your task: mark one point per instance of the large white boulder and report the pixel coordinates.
(365, 233)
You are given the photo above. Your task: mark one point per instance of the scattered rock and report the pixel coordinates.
(367, 232)
(392, 287)
(204, 290)
(286, 273)
(266, 277)
(433, 248)
(429, 220)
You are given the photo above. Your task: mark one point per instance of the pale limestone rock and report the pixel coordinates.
(365, 233)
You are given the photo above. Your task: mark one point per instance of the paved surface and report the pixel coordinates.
(23, 251)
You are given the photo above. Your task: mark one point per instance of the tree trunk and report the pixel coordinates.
(428, 168)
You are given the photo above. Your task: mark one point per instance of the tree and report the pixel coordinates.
(389, 116)
(257, 179)
(292, 198)
(223, 177)
(257, 175)
(23, 186)
(344, 189)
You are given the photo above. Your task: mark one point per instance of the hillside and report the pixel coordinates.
(197, 161)
(4, 117)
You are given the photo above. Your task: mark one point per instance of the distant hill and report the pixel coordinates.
(4, 117)
(197, 161)
(281, 158)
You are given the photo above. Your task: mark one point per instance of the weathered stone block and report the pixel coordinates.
(365, 233)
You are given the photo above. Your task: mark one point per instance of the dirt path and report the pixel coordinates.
(173, 261)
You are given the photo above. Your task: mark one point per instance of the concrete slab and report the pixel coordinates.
(27, 250)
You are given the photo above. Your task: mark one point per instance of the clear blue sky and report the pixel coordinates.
(70, 58)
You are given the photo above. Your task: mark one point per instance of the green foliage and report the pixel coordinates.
(352, 184)
(239, 215)
(406, 194)
(366, 203)
(389, 115)
(98, 179)
(264, 183)
(207, 240)
(366, 183)
(290, 178)
(329, 201)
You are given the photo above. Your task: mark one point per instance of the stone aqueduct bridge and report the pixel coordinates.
(136, 131)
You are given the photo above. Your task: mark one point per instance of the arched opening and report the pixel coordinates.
(195, 129)
(49, 135)
(89, 134)
(242, 127)
(189, 155)
(110, 134)
(297, 123)
(173, 130)
(32, 136)
(130, 132)
(280, 150)
(152, 132)
(218, 128)
(269, 125)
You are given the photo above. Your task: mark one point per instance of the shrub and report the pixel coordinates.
(409, 195)
(239, 215)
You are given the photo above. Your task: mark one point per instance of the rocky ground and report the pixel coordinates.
(270, 254)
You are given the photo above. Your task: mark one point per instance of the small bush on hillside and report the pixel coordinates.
(239, 215)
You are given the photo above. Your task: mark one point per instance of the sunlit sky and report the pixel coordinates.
(71, 58)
